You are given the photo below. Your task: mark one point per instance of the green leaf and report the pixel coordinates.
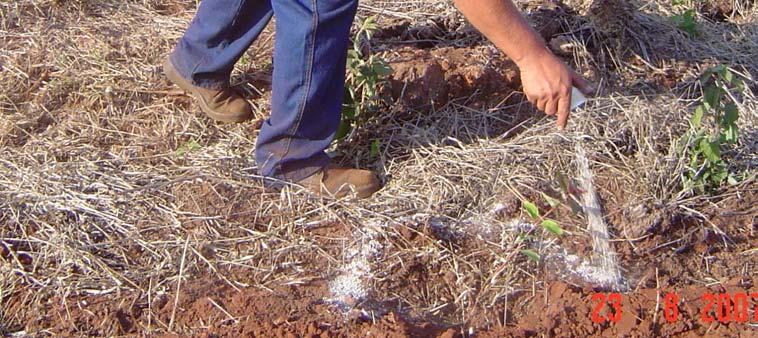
(731, 134)
(707, 77)
(698, 138)
(369, 25)
(727, 76)
(712, 96)
(710, 150)
(551, 201)
(719, 175)
(719, 68)
(531, 254)
(706, 175)
(343, 130)
(193, 145)
(374, 148)
(188, 147)
(697, 118)
(531, 209)
(381, 70)
(731, 114)
(348, 111)
(552, 226)
(694, 161)
(686, 22)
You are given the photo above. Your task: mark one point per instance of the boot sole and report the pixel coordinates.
(175, 78)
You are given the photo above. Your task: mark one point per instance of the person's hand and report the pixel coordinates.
(547, 83)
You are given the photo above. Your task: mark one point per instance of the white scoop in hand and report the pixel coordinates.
(577, 98)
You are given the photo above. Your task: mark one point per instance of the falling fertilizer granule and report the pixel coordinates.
(349, 287)
(608, 276)
(601, 270)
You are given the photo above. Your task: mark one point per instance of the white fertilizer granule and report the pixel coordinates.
(350, 286)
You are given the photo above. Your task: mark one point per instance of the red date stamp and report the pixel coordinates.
(728, 307)
(601, 300)
(721, 307)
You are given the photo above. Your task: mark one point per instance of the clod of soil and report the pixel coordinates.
(547, 18)
(607, 16)
(720, 10)
(435, 77)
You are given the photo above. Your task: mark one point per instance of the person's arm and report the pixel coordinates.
(547, 81)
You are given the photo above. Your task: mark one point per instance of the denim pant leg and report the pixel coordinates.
(220, 33)
(310, 52)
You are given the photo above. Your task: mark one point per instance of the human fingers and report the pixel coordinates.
(551, 106)
(563, 111)
(541, 103)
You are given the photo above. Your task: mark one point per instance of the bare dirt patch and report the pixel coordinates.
(423, 77)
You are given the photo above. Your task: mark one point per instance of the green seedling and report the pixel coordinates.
(188, 147)
(686, 22)
(366, 73)
(548, 224)
(705, 144)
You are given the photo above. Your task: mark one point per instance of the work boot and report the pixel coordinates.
(223, 105)
(338, 182)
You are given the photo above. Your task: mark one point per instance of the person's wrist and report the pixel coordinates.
(532, 54)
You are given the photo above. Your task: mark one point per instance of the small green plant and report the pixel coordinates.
(686, 22)
(531, 254)
(188, 147)
(365, 74)
(245, 61)
(707, 168)
(550, 225)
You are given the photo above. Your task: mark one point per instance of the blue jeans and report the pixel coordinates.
(310, 52)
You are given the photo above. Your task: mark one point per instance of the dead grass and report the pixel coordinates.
(96, 199)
